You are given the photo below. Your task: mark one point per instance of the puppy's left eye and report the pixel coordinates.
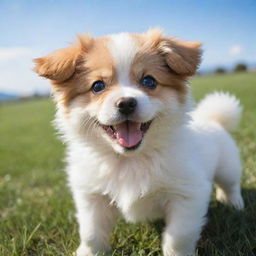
(148, 82)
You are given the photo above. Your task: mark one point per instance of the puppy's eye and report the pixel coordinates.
(148, 82)
(98, 86)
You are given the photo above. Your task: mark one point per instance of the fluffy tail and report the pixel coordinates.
(220, 107)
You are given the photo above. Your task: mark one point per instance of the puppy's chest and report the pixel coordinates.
(136, 190)
(147, 207)
(135, 186)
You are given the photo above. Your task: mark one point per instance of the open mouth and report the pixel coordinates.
(128, 134)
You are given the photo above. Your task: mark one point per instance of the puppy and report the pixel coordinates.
(135, 142)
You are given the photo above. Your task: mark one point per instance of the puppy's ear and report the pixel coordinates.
(182, 57)
(60, 65)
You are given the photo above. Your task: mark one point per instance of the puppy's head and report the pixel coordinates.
(123, 90)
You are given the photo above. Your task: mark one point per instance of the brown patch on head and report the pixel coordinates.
(166, 59)
(73, 70)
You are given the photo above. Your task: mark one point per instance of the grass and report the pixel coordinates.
(36, 209)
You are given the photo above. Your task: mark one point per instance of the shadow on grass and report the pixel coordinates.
(228, 232)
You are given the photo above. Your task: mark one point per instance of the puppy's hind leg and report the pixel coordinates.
(185, 217)
(227, 178)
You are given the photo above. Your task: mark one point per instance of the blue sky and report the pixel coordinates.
(30, 29)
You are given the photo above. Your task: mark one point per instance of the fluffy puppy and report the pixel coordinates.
(135, 142)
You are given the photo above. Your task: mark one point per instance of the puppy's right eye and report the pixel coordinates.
(98, 86)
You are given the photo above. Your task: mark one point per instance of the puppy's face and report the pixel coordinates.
(120, 89)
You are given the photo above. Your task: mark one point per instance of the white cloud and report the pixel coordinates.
(235, 50)
(16, 75)
(226, 56)
(10, 53)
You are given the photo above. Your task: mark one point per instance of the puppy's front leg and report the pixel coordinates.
(184, 221)
(96, 217)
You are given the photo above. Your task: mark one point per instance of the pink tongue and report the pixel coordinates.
(128, 134)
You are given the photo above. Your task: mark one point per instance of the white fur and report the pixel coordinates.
(170, 176)
(221, 107)
(123, 49)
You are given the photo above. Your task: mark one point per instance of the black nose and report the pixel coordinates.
(126, 105)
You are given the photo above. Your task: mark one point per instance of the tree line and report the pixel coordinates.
(239, 67)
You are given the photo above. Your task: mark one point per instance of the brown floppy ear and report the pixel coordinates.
(60, 65)
(182, 57)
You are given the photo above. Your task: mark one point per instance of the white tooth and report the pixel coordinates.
(109, 130)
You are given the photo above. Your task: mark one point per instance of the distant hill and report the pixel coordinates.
(7, 96)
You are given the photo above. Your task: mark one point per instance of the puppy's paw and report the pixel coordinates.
(176, 253)
(83, 250)
(236, 201)
(233, 198)
(170, 249)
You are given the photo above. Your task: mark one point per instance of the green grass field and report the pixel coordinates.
(36, 209)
